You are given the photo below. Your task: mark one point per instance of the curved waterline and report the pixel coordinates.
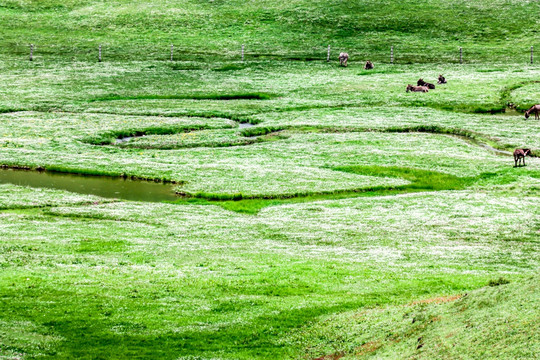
(126, 188)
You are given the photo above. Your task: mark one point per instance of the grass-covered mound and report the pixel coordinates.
(500, 321)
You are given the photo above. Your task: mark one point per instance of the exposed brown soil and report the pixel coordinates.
(438, 300)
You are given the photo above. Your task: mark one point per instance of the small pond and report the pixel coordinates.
(104, 186)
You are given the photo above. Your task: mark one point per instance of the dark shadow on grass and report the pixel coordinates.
(10, 110)
(115, 324)
(217, 96)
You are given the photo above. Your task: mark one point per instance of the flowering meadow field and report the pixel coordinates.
(315, 212)
(311, 216)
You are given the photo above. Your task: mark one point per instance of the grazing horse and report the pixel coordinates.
(421, 82)
(519, 154)
(441, 80)
(343, 58)
(369, 65)
(417, 88)
(534, 109)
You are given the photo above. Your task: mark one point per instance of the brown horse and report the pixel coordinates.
(441, 80)
(417, 88)
(534, 109)
(369, 65)
(421, 82)
(519, 154)
(343, 58)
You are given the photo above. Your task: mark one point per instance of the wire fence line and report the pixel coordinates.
(385, 54)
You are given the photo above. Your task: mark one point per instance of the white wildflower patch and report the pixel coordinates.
(12, 196)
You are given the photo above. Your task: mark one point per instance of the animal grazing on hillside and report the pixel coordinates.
(369, 65)
(343, 58)
(421, 82)
(441, 80)
(417, 88)
(519, 154)
(534, 109)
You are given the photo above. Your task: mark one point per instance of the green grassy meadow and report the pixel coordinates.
(298, 30)
(322, 212)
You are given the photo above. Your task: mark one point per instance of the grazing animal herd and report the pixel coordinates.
(344, 58)
(423, 86)
(519, 154)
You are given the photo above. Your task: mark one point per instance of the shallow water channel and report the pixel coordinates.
(129, 138)
(245, 125)
(482, 145)
(104, 186)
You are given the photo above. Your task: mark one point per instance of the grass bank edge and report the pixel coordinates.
(430, 326)
(420, 181)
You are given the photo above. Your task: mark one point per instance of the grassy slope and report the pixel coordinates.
(87, 279)
(495, 322)
(427, 31)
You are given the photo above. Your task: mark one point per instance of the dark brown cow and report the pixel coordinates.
(441, 80)
(421, 82)
(519, 155)
(417, 88)
(369, 65)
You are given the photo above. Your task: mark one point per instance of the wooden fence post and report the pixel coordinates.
(172, 47)
(99, 53)
(31, 52)
(461, 55)
(392, 55)
(242, 52)
(531, 55)
(328, 54)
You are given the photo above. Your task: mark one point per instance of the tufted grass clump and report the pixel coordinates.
(499, 281)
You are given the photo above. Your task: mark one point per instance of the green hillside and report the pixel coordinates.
(421, 31)
(495, 322)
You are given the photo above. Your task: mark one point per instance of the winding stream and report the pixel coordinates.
(126, 189)
(482, 145)
(245, 125)
(129, 138)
